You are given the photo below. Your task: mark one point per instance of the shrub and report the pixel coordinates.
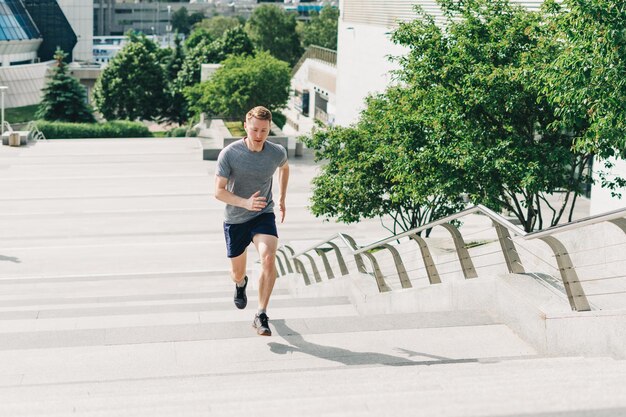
(279, 118)
(179, 132)
(116, 129)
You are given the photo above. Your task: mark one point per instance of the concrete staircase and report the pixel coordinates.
(115, 300)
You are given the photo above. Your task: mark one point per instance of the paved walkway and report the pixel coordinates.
(115, 300)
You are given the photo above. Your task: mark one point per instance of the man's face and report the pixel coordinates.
(257, 131)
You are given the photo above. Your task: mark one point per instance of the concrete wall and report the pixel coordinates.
(601, 199)
(80, 15)
(25, 83)
(363, 66)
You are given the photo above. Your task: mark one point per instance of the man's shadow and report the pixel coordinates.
(348, 357)
(10, 259)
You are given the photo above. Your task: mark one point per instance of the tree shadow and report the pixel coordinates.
(10, 259)
(347, 357)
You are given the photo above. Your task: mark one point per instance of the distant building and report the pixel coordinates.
(364, 47)
(151, 18)
(31, 31)
(313, 92)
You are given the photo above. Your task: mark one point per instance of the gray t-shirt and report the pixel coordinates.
(248, 172)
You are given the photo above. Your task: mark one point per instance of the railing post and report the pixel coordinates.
(342, 265)
(464, 257)
(289, 268)
(360, 265)
(280, 265)
(329, 270)
(316, 272)
(378, 275)
(511, 257)
(621, 223)
(429, 264)
(300, 269)
(575, 293)
(404, 278)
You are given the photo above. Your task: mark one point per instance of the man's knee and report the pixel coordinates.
(268, 260)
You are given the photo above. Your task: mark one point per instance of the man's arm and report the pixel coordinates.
(253, 203)
(283, 180)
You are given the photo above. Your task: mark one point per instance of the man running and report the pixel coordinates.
(243, 181)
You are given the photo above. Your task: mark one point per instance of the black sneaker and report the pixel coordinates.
(261, 324)
(241, 301)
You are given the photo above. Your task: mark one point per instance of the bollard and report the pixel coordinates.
(299, 148)
(14, 139)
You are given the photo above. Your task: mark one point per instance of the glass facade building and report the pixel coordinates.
(54, 26)
(15, 23)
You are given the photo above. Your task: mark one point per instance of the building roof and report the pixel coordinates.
(15, 22)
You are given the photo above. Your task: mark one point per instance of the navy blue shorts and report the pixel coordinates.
(239, 236)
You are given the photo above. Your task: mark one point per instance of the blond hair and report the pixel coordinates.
(259, 112)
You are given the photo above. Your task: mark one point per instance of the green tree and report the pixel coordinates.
(241, 83)
(478, 78)
(199, 35)
(176, 104)
(64, 99)
(175, 62)
(234, 42)
(183, 22)
(273, 29)
(383, 167)
(467, 116)
(180, 21)
(218, 25)
(321, 30)
(133, 86)
(586, 82)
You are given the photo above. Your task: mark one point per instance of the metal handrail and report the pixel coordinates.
(36, 134)
(587, 221)
(573, 288)
(316, 52)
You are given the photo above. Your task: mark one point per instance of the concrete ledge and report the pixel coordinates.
(24, 136)
(539, 315)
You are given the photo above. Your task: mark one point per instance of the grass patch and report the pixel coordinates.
(20, 114)
(235, 128)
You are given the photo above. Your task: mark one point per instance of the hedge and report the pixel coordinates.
(115, 129)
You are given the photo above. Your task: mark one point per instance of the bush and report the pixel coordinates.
(116, 129)
(280, 119)
(179, 132)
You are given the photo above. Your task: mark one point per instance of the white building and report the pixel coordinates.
(79, 14)
(313, 92)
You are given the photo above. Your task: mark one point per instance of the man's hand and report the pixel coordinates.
(255, 202)
(282, 209)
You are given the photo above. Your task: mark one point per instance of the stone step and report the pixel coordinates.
(124, 156)
(10, 327)
(20, 229)
(87, 169)
(125, 257)
(335, 316)
(243, 351)
(348, 388)
(111, 186)
(31, 207)
(126, 146)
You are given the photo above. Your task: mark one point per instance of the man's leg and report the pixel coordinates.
(238, 275)
(238, 267)
(266, 245)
